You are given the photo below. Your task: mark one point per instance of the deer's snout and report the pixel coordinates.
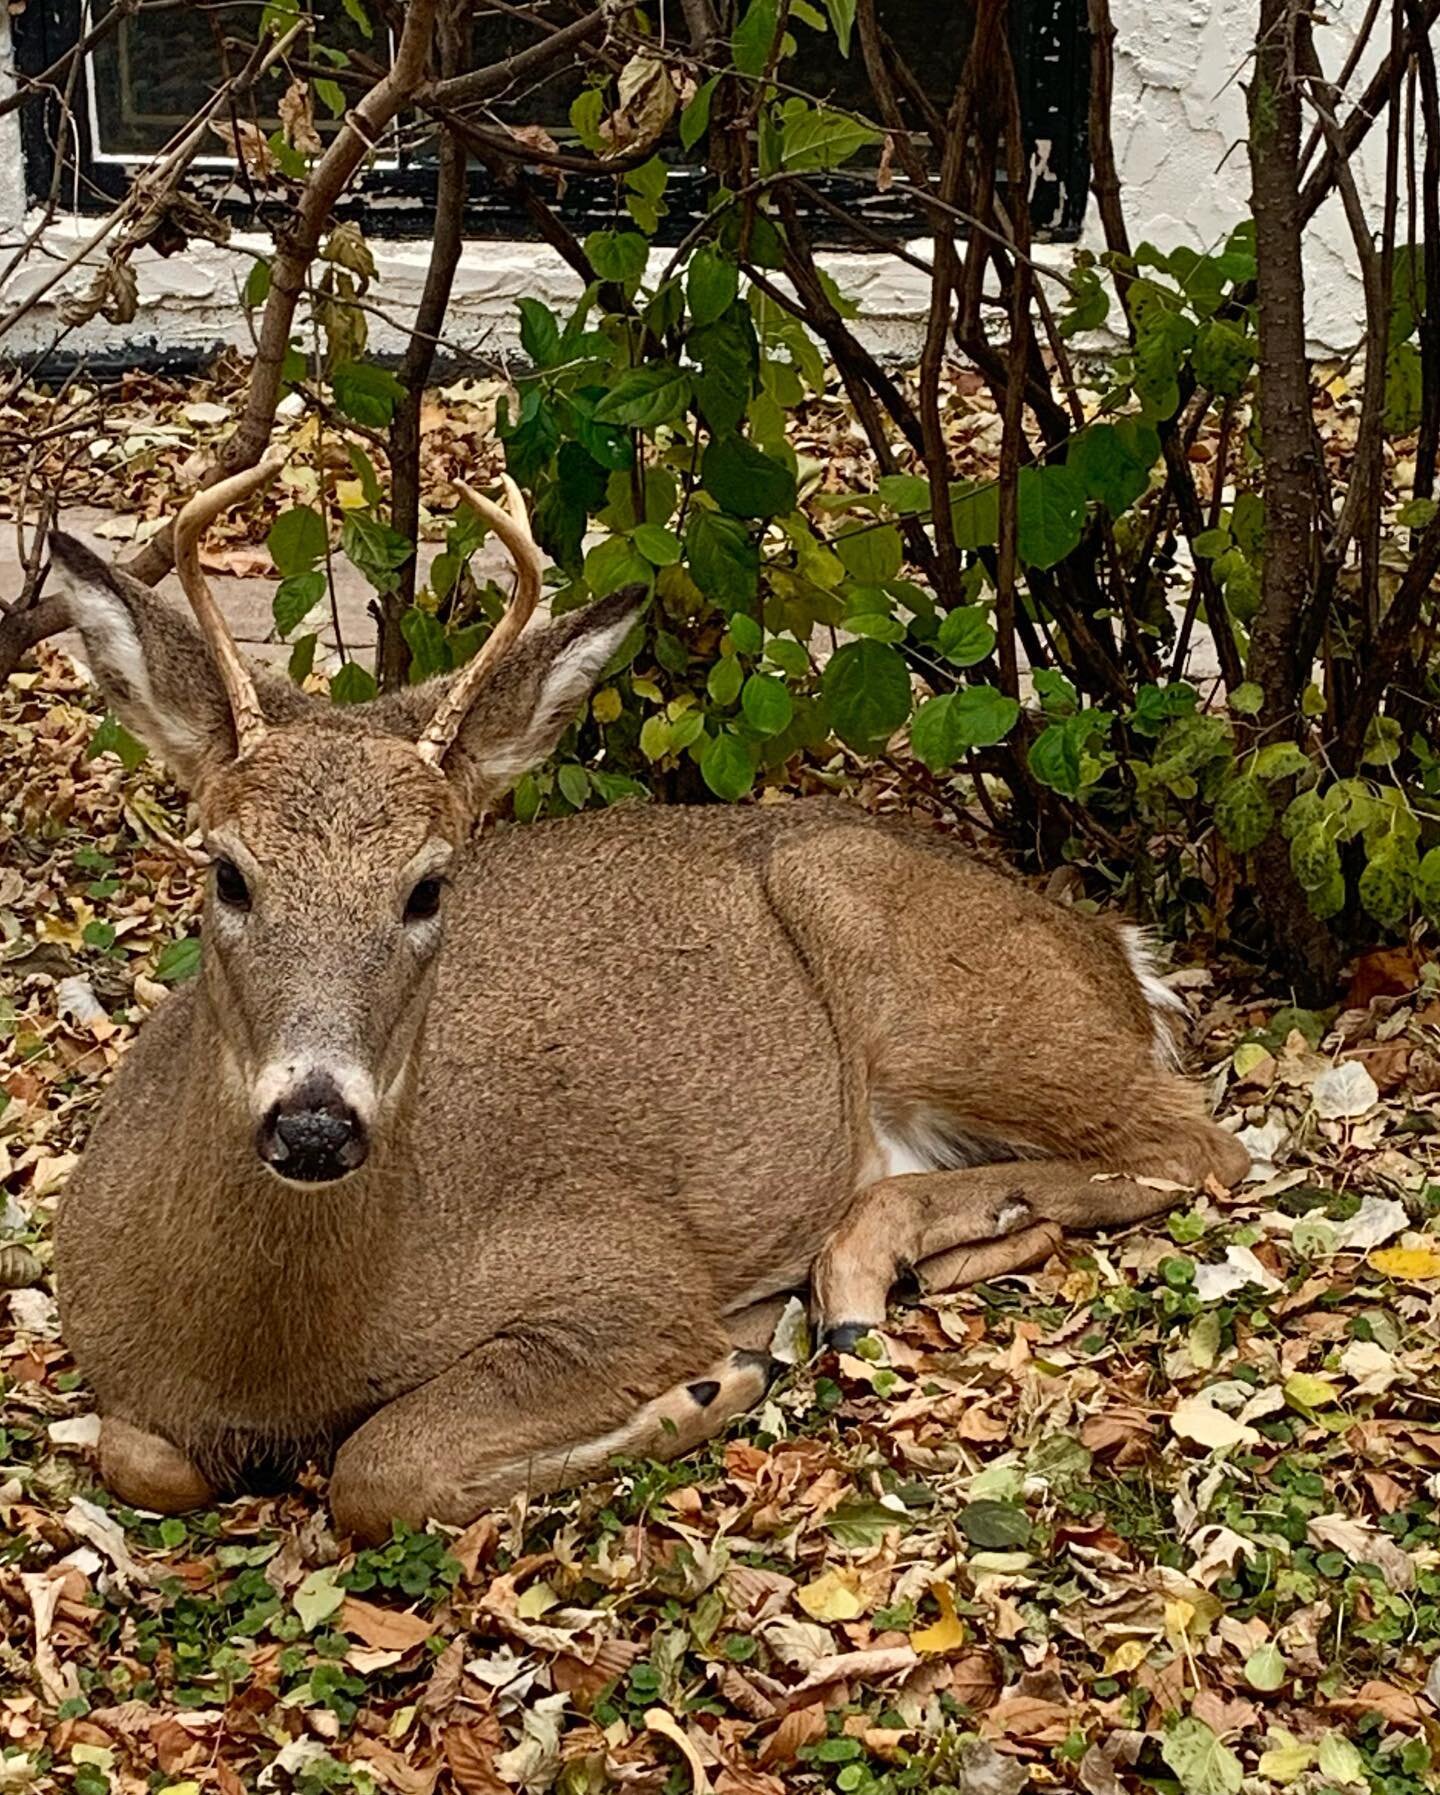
(312, 1135)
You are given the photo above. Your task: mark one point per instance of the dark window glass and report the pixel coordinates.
(151, 75)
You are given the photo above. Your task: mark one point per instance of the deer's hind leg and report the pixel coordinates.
(963, 1227)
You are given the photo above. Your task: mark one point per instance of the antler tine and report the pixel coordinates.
(195, 518)
(511, 523)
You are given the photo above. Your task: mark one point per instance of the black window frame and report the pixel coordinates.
(1050, 39)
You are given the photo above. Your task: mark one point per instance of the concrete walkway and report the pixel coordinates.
(247, 602)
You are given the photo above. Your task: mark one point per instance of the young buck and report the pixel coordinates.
(463, 1167)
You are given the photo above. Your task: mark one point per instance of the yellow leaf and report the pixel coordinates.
(646, 688)
(351, 494)
(1249, 1055)
(1407, 1262)
(1284, 1763)
(1129, 1655)
(835, 1596)
(1306, 1392)
(538, 1599)
(606, 705)
(948, 1633)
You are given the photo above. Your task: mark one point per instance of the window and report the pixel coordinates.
(149, 76)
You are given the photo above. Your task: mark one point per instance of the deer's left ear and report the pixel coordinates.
(524, 709)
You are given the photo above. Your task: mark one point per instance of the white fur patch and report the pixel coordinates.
(568, 680)
(924, 1147)
(1157, 993)
(113, 646)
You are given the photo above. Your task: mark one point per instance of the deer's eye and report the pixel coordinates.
(424, 901)
(230, 886)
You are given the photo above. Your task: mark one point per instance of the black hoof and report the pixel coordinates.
(762, 1362)
(704, 1392)
(844, 1336)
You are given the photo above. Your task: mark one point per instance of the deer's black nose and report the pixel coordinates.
(312, 1135)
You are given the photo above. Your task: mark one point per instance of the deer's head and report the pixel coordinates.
(330, 829)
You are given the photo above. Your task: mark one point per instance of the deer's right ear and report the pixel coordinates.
(150, 662)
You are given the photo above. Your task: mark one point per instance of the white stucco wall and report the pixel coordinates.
(1180, 142)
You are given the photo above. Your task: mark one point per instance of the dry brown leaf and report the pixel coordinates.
(470, 1751)
(382, 1629)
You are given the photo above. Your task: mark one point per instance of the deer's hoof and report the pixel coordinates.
(146, 1471)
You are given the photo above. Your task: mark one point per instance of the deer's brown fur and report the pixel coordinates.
(659, 1063)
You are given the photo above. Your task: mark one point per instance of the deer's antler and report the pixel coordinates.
(196, 517)
(511, 523)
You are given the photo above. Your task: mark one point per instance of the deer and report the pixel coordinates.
(472, 1158)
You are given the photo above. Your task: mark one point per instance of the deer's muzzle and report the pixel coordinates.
(312, 1135)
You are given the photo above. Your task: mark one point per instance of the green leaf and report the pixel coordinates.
(727, 767)
(729, 356)
(1340, 1760)
(257, 286)
(357, 12)
(1113, 462)
(366, 394)
(1314, 856)
(425, 637)
(1417, 513)
(655, 737)
(1052, 514)
(302, 658)
(660, 547)
(353, 685)
(1247, 700)
(1427, 886)
(1386, 888)
(574, 783)
(539, 333)
(1222, 358)
(767, 704)
(619, 256)
(1054, 759)
(587, 109)
(744, 480)
(1210, 543)
(975, 515)
(949, 726)
(867, 688)
(614, 563)
(178, 960)
(754, 35)
(295, 598)
(966, 635)
(711, 285)
(842, 17)
(656, 393)
(318, 1597)
(724, 558)
(816, 138)
(746, 634)
(906, 494)
(296, 540)
(374, 548)
(1244, 814)
(724, 680)
(995, 1526)
(112, 737)
(1203, 1765)
(859, 1522)
(870, 555)
(695, 119)
(1281, 760)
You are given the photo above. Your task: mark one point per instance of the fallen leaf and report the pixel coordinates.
(946, 1634)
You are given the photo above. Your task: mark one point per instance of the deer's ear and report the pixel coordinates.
(532, 699)
(151, 663)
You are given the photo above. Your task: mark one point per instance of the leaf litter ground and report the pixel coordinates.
(1161, 1513)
